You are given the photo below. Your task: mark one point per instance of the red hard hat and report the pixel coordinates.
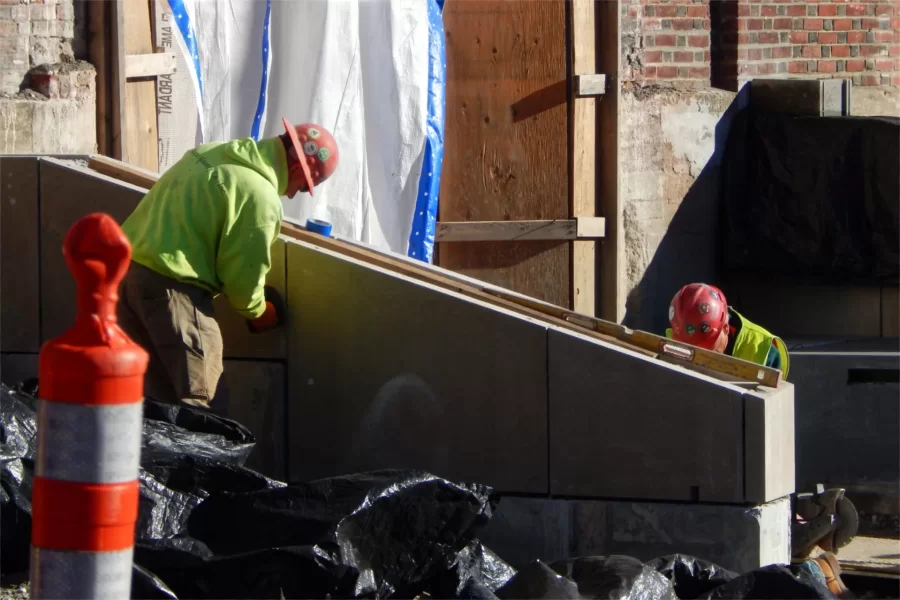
(698, 314)
(316, 149)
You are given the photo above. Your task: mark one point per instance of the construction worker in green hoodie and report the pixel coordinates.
(207, 227)
(700, 315)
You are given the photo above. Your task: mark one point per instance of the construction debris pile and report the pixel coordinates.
(210, 528)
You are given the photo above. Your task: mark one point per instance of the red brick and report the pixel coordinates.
(840, 51)
(812, 24)
(699, 72)
(796, 10)
(682, 24)
(884, 36)
(826, 66)
(855, 66)
(895, 79)
(855, 37)
(750, 24)
(653, 56)
(706, 24)
(783, 24)
(799, 37)
(781, 52)
(667, 72)
(870, 23)
(870, 80)
(744, 10)
(856, 10)
(666, 10)
(743, 38)
(664, 40)
(650, 24)
(884, 65)
(811, 51)
(698, 12)
(754, 54)
(884, 10)
(707, 56)
(767, 37)
(894, 51)
(827, 37)
(797, 66)
(769, 11)
(870, 50)
(683, 56)
(698, 41)
(650, 72)
(843, 24)
(895, 23)
(829, 10)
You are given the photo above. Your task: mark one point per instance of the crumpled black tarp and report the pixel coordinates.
(812, 197)
(210, 528)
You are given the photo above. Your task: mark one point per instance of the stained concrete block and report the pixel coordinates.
(847, 415)
(239, 342)
(19, 253)
(769, 443)
(740, 538)
(623, 425)
(385, 371)
(15, 368)
(257, 401)
(69, 192)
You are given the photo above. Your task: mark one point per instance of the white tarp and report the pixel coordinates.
(361, 68)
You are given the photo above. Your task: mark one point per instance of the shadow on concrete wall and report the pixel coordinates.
(691, 247)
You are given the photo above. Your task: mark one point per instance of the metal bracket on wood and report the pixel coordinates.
(590, 85)
(149, 65)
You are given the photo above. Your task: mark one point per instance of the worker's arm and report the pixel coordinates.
(245, 247)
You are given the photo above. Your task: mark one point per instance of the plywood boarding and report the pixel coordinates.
(625, 426)
(19, 256)
(69, 192)
(385, 371)
(256, 392)
(141, 138)
(769, 444)
(499, 53)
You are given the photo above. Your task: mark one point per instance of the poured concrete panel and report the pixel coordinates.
(847, 414)
(239, 342)
(769, 443)
(388, 372)
(257, 401)
(15, 368)
(627, 426)
(69, 192)
(19, 252)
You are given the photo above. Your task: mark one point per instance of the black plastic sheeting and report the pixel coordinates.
(812, 197)
(210, 528)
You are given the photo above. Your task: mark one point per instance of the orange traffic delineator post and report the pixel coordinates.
(85, 493)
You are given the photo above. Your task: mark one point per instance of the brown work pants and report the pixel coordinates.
(174, 323)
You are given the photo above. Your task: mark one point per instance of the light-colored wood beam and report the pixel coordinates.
(149, 65)
(495, 231)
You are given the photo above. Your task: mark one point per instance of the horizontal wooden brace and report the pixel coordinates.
(496, 231)
(149, 65)
(587, 86)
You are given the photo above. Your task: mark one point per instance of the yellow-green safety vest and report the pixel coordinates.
(753, 342)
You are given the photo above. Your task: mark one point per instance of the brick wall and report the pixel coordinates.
(33, 32)
(696, 43)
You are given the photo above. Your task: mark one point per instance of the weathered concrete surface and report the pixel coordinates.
(739, 538)
(881, 101)
(670, 187)
(61, 126)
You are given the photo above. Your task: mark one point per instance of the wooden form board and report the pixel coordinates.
(19, 255)
(726, 367)
(141, 137)
(498, 165)
(488, 231)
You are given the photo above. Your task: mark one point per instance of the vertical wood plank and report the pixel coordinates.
(141, 140)
(584, 155)
(98, 49)
(116, 22)
(612, 251)
(500, 52)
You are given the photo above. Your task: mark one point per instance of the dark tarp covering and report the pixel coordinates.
(209, 528)
(812, 197)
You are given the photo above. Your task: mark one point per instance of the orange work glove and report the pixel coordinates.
(271, 317)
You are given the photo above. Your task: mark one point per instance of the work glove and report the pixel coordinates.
(271, 317)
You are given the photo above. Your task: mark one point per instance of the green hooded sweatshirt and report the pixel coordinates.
(211, 219)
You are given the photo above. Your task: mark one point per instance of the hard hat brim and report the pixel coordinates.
(301, 156)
